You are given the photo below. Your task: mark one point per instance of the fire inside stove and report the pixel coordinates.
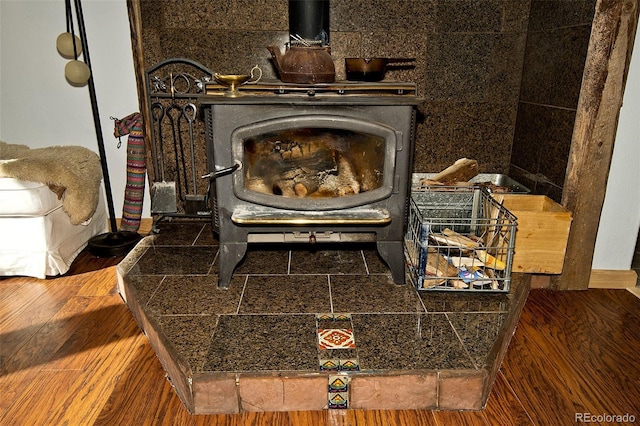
(314, 163)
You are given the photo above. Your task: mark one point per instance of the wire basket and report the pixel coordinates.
(459, 240)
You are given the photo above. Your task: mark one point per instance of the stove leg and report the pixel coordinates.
(392, 252)
(230, 256)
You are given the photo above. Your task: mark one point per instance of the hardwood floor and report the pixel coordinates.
(71, 353)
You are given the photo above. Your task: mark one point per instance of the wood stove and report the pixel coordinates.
(310, 164)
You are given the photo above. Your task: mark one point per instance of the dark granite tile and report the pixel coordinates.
(555, 147)
(373, 293)
(206, 237)
(469, 16)
(264, 343)
(410, 43)
(375, 264)
(464, 302)
(474, 67)
(542, 141)
(179, 260)
(190, 336)
(434, 136)
(554, 65)
(264, 259)
(151, 14)
(195, 295)
(134, 255)
(178, 233)
(144, 285)
(347, 44)
(525, 153)
(588, 11)
(248, 15)
(478, 332)
(327, 260)
(225, 51)
(369, 15)
(407, 341)
(516, 15)
(484, 132)
(548, 14)
(286, 294)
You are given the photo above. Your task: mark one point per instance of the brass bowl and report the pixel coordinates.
(232, 81)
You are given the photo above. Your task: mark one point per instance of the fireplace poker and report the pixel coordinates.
(194, 203)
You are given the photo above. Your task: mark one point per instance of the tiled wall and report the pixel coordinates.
(469, 64)
(557, 44)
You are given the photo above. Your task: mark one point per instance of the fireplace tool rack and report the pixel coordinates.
(177, 146)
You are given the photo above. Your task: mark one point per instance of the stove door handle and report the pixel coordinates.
(221, 171)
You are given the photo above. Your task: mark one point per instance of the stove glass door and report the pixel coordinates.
(314, 162)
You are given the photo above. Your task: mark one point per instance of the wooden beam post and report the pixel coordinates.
(606, 68)
(135, 25)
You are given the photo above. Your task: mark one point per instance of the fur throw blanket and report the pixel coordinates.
(72, 172)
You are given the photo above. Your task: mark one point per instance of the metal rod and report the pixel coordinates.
(96, 117)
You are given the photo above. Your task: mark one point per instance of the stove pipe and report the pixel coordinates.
(309, 20)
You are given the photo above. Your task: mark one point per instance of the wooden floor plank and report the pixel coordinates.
(504, 407)
(89, 393)
(20, 299)
(102, 282)
(17, 371)
(587, 345)
(99, 327)
(33, 312)
(569, 356)
(45, 394)
(8, 285)
(143, 384)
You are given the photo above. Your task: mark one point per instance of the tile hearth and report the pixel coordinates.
(310, 327)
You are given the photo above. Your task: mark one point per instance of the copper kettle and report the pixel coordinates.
(305, 64)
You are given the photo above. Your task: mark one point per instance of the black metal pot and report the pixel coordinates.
(373, 69)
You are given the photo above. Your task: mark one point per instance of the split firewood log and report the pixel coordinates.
(463, 170)
(438, 265)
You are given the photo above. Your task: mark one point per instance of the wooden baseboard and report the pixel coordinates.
(612, 279)
(635, 291)
(145, 225)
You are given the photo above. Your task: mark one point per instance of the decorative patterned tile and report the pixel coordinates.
(338, 400)
(349, 365)
(339, 364)
(329, 364)
(324, 317)
(336, 338)
(338, 392)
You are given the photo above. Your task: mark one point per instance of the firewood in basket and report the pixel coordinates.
(459, 284)
(461, 239)
(490, 261)
(462, 170)
(451, 238)
(438, 265)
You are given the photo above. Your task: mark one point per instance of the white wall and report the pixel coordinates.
(620, 219)
(39, 108)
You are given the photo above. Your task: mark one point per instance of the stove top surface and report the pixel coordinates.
(338, 88)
